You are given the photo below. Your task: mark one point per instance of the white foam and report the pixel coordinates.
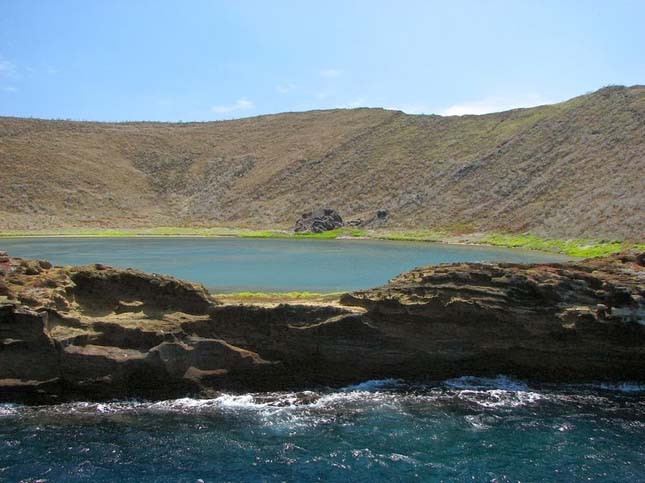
(374, 385)
(8, 409)
(499, 398)
(493, 392)
(239, 401)
(623, 387)
(500, 382)
(280, 408)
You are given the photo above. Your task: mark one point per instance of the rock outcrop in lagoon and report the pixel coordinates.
(96, 332)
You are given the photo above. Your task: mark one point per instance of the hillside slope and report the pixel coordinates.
(572, 169)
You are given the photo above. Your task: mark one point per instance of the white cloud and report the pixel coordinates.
(10, 89)
(411, 109)
(330, 73)
(493, 104)
(285, 88)
(242, 104)
(483, 106)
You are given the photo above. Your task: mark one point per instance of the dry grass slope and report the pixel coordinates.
(567, 170)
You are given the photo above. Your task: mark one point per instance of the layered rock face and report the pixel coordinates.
(556, 322)
(95, 332)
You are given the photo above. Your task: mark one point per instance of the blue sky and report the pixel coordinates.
(208, 60)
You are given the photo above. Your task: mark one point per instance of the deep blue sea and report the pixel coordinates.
(466, 429)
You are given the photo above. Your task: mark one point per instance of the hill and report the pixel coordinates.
(573, 169)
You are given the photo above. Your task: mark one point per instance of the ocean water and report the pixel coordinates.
(234, 264)
(466, 429)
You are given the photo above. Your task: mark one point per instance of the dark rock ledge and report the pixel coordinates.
(96, 332)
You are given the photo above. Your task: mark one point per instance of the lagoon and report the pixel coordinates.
(263, 265)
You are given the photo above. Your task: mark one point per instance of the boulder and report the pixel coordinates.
(381, 214)
(378, 220)
(319, 221)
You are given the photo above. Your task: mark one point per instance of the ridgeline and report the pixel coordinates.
(568, 170)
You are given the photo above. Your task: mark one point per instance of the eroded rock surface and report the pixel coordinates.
(555, 322)
(96, 332)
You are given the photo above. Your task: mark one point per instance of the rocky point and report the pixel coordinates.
(96, 332)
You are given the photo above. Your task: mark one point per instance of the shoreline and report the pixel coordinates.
(578, 248)
(92, 331)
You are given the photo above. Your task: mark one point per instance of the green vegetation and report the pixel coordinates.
(574, 248)
(327, 235)
(332, 234)
(128, 232)
(278, 295)
(190, 232)
(417, 235)
(154, 232)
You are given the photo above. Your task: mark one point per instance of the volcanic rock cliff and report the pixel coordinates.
(95, 332)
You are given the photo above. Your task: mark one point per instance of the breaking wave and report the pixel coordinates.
(467, 391)
(463, 429)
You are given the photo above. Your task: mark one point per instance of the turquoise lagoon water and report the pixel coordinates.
(466, 429)
(234, 264)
